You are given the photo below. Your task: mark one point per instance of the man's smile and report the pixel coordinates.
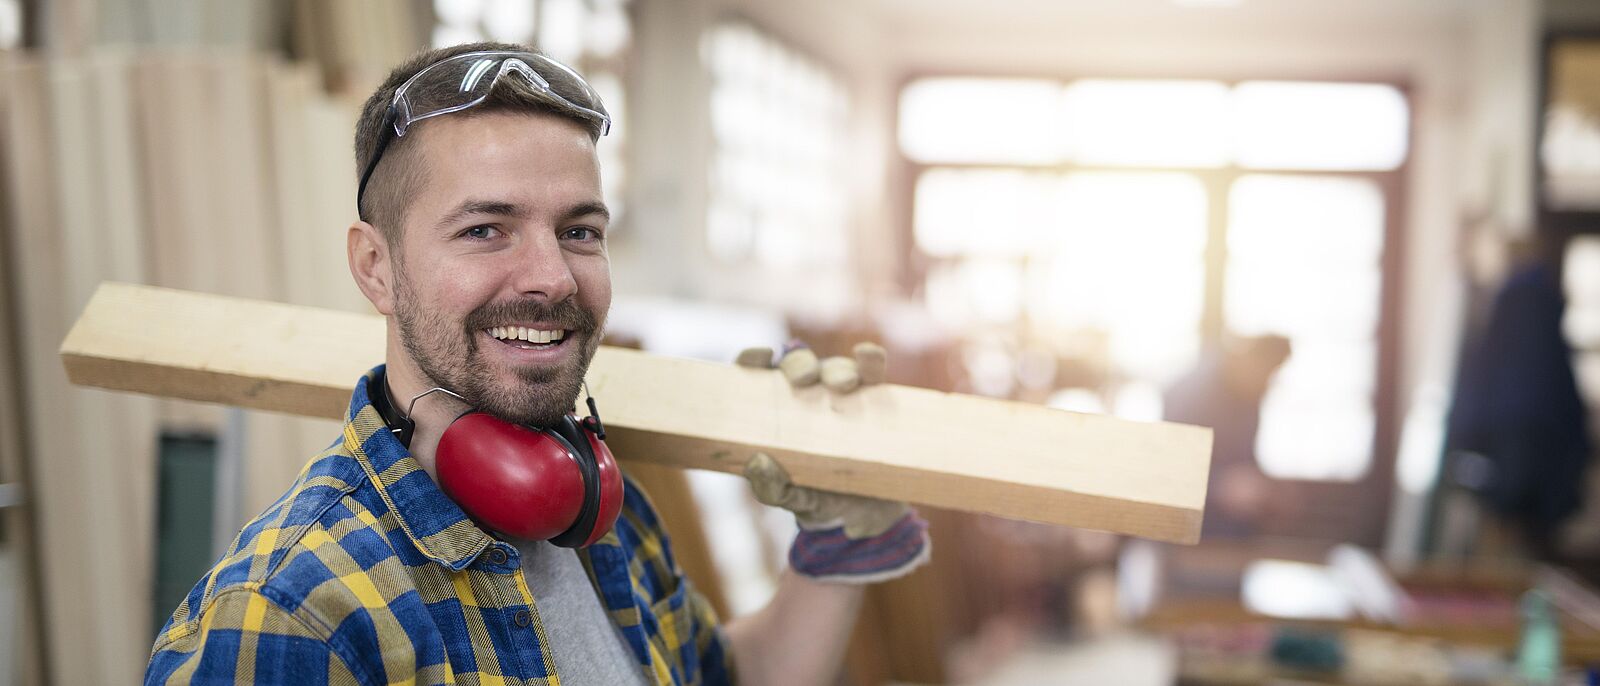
(533, 344)
(527, 336)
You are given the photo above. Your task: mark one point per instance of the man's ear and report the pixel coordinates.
(371, 264)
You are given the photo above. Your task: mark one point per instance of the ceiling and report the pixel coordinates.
(1122, 36)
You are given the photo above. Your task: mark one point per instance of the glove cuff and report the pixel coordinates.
(831, 556)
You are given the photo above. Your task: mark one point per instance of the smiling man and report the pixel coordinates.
(482, 238)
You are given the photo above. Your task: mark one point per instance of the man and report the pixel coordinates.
(482, 239)
(1517, 436)
(1224, 392)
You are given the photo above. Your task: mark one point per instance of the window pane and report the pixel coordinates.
(998, 121)
(509, 20)
(1570, 151)
(1127, 258)
(445, 35)
(561, 24)
(1147, 123)
(1581, 320)
(1304, 261)
(1310, 219)
(458, 12)
(1334, 126)
(776, 171)
(981, 212)
(1302, 299)
(1581, 276)
(1307, 435)
(10, 24)
(609, 30)
(977, 291)
(612, 148)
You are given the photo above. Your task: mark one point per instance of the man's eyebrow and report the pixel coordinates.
(585, 209)
(474, 207)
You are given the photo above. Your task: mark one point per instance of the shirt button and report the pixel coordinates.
(497, 556)
(524, 618)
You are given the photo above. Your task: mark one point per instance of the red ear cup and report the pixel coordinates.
(610, 485)
(515, 480)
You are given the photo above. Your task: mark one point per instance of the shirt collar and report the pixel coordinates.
(433, 522)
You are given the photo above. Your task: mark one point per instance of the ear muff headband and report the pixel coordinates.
(378, 393)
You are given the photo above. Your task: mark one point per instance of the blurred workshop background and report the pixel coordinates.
(1361, 238)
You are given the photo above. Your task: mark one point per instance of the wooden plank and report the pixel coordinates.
(942, 449)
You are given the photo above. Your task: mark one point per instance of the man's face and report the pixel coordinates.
(505, 241)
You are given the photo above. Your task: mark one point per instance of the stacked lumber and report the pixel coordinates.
(213, 169)
(355, 42)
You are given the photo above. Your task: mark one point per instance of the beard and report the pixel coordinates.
(449, 355)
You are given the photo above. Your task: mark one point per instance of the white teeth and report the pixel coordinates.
(522, 333)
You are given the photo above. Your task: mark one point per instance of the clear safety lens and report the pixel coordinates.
(459, 82)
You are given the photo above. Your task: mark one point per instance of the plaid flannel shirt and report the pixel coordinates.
(366, 573)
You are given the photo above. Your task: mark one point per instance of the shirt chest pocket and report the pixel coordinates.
(674, 638)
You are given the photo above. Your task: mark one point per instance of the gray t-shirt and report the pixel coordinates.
(589, 649)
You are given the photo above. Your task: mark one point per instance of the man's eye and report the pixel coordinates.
(583, 233)
(480, 232)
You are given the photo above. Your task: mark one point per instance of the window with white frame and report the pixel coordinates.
(1083, 210)
(777, 191)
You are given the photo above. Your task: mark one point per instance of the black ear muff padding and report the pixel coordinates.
(568, 432)
(378, 393)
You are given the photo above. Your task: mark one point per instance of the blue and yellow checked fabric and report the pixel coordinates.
(366, 573)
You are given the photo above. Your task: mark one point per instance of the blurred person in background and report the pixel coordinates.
(1224, 392)
(481, 238)
(1517, 435)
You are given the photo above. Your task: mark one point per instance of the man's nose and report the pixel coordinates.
(542, 271)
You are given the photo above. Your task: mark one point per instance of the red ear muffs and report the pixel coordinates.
(610, 482)
(559, 484)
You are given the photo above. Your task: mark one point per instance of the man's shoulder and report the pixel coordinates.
(330, 519)
(639, 515)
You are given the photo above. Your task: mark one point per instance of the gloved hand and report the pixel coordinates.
(843, 538)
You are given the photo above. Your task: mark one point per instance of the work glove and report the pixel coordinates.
(843, 538)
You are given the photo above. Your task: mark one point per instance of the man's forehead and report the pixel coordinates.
(507, 163)
(470, 132)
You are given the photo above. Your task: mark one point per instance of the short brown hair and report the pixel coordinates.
(391, 184)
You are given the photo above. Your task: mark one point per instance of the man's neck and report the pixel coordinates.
(431, 415)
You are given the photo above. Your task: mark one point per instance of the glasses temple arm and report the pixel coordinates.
(385, 134)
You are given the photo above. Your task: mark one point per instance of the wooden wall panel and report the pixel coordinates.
(17, 523)
(170, 166)
(89, 453)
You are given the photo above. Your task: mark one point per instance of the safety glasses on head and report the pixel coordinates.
(462, 81)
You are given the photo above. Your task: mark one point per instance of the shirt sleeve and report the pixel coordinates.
(245, 638)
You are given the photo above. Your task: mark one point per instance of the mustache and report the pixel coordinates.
(566, 313)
